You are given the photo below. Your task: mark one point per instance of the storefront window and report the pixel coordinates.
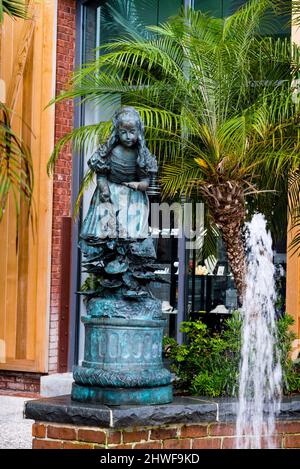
(209, 290)
(223, 8)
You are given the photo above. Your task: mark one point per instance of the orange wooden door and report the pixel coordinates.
(28, 69)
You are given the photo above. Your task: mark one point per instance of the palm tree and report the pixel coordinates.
(215, 96)
(16, 171)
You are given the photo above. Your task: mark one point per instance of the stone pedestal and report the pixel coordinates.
(123, 355)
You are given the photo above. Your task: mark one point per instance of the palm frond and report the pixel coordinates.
(294, 209)
(180, 178)
(16, 167)
(211, 236)
(85, 183)
(294, 191)
(13, 8)
(81, 138)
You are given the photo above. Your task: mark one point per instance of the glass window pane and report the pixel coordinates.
(117, 16)
(167, 8)
(213, 7)
(223, 8)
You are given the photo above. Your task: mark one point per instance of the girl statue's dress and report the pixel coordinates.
(125, 215)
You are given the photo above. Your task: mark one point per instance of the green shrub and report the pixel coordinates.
(290, 369)
(208, 364)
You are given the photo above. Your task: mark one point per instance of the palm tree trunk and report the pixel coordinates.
(227, 207)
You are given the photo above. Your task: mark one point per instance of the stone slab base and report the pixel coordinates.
(189, 422)
(123, 396)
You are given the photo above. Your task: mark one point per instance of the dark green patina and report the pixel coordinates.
(122, 362)
(124, 324)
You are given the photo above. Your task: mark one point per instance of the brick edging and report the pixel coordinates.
(195, 436)
(20, 381)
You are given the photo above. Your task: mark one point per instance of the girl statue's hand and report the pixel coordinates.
(105, 196)
(132, 185)
(104, 189)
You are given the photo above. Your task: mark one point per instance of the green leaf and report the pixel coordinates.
(13, 8)
(16, 167)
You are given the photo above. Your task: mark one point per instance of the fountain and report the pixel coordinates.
(260, 368)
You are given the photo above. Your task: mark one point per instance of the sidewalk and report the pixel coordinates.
(15, 432)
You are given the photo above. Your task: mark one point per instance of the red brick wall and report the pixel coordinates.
(196, 436)
(19, 381)
(65, 59)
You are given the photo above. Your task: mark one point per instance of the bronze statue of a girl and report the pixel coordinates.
(120, 207)
(124, 322)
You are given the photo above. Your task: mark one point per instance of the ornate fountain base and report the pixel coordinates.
(122, 396)
(122, 362)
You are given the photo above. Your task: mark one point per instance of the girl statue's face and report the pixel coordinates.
(128, 132)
